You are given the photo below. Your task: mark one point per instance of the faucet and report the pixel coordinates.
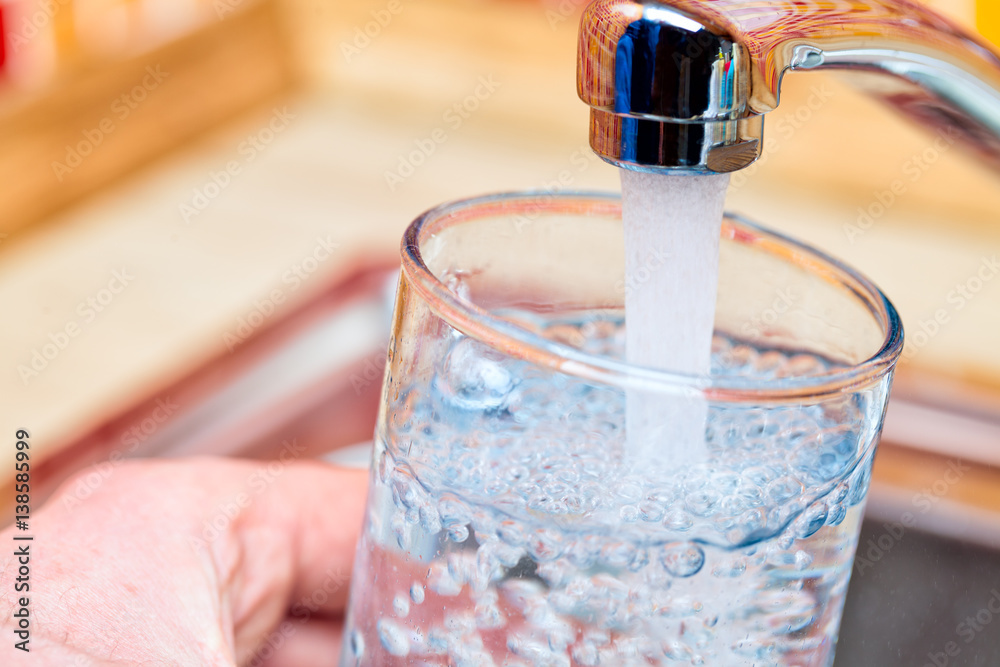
(685, 84)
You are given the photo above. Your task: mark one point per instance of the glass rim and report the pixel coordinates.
(512, 339)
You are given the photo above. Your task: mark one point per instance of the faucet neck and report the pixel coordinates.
(680, 84)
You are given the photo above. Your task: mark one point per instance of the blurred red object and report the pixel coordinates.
(4, 35)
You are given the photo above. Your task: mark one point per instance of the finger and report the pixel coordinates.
(293, 548)
(313, 643)
(328, 503)
(240, 544)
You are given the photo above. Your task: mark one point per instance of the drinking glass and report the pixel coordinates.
(509, 520)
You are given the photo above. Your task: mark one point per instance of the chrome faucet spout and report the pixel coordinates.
(685, 84)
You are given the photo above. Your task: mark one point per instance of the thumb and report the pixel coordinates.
(290, 555)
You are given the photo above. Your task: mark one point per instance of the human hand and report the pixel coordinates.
(199, 562)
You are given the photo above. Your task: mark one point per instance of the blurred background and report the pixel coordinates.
(203, 200)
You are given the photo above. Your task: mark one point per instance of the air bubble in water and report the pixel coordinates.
(474, 376)
(732, 566)
(702, 502)
(458, 533)
(811, 520)
(586, 654)
(650, 511)
(393, 638)
(629, 513)
(677, 519)
(440, 580)
(357, 644)
(859, 483)
(784, 489)
(682, 559)
(618, 554)
(545, 544)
